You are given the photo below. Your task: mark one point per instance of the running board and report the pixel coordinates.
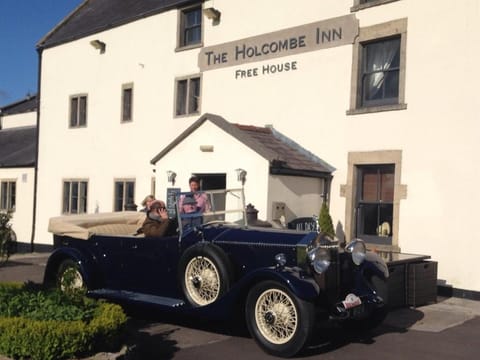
(136, 297)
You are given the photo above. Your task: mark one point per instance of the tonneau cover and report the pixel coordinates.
(83, 226)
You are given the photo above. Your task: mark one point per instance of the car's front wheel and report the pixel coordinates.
(279, 321)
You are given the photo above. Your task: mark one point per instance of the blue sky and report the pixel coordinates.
(22, 24)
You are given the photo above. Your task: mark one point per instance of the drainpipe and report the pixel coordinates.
(35, 169)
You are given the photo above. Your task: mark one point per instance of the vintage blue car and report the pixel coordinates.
(215, 264)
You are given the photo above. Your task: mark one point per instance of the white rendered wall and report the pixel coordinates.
(18, 120)
(228, 155)
(22, 216)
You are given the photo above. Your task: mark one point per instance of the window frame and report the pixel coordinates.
(8, 195)
(124, 182)
(78, 113)
(349, 191)
(188, 96)
(82, 206)
(181, 29)
(368, 35)
(365, 4)
(361, 203)
(125, 88)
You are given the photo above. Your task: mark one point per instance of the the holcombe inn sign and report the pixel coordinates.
(310, 37)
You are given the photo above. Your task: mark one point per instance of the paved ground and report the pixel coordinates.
(445, 330)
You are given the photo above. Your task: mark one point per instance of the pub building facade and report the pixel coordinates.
(137, 95)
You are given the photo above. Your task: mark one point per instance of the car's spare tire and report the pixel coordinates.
(205, 273)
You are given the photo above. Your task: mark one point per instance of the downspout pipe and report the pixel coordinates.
(37, 145)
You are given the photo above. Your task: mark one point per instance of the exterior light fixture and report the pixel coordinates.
(241, 175)
(171, 175)
(99, 45)
(212, 13)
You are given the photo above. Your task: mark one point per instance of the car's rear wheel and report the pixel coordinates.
(279, 321)
(205, 274)
(69, 277)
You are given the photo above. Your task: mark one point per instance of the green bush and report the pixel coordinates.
(5, 236)
(31, 328)
(325, 221)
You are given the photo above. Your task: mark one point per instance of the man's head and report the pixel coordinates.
(194, 183)
(157, 205)
(158, 210)
(189, 205)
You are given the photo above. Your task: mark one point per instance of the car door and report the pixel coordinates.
(150, 265)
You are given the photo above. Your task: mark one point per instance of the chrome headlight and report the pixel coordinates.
(319, 259)
(358, 250)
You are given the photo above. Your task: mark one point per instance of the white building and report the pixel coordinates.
(384, 91)
(18, 139)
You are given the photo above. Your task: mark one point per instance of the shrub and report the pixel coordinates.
(5, 236)
(325, 221)
(30, 327)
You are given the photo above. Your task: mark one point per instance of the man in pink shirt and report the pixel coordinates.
(203, 204)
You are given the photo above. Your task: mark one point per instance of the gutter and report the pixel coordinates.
(37, 145)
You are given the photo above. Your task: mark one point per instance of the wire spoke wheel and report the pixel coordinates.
(276, 316)
(69, 277)
(202, 280)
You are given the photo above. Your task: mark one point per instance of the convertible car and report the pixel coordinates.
(215, 264)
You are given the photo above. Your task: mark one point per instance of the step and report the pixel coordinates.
(136, 297)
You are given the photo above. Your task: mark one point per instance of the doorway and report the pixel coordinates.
(214, 182)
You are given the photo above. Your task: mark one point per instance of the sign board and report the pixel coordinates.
(172, 195)
(309, 37)
(303, 224)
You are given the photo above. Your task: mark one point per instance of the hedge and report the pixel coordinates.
(44, 339)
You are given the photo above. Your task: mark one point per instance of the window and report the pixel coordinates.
(8, 195)
(187, 96)
(375, 202)
(127, 102)
(373, 194)
(380, 72)
(75, 194)
(78, 111)
(124, 194)
(378, 76)
(190, 27)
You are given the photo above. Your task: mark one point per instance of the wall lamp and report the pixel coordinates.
(99, 45)
(171, 175)
(212, 13)
(241, 175)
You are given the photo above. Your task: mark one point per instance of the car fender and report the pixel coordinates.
(376, 264)
(304, 287)
(86, 264)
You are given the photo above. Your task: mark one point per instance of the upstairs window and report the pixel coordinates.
(75, 195)
(380, 72)
(124, 194)
(78, 111)
(187, 96)
(190, 27)
(127, 102)
(8, 195)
